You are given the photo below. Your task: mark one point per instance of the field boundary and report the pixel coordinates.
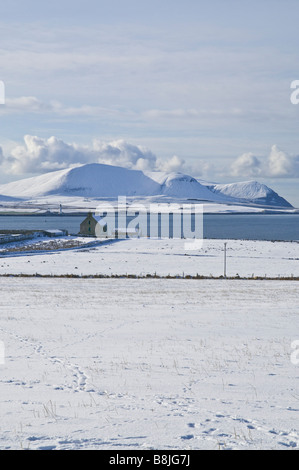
(150, 276)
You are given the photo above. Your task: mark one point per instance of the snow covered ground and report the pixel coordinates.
(148, 363)
(153, 256)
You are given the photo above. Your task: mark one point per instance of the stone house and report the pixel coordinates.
(91, 227)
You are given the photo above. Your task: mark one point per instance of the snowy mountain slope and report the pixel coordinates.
(252, 192)
(7, 198)
(98, 180)
(179, 185)
(92, 180)
(106, 181)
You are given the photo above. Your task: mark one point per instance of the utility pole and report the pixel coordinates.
(225, 259)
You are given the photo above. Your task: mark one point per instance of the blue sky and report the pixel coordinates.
(204, 87)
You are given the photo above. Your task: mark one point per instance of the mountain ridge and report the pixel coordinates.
(97, 180)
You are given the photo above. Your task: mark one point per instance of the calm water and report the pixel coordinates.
(250, 227)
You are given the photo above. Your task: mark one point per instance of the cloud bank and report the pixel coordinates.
(39, 155)
(278, 164)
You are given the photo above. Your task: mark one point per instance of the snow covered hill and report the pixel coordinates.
(178, 185)
(92, 180)
(7, 198)
(106, 181)
(250, 192)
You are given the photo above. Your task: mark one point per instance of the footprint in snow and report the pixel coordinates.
(187, 437)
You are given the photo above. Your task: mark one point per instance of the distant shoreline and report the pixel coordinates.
(84, 213)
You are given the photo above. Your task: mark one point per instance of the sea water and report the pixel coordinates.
(284, 227)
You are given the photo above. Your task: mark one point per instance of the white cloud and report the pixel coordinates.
(121, 153)
(172, 164)
(2, 158)
(277, 164)
(171, 113)
(31, 104)
(247, 165)
(25, 103)
(280, 164)
(39, 155)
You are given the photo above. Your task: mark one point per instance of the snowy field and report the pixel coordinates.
(148, 364)
(149, 256)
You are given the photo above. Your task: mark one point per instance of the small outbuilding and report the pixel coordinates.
(55, 233)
